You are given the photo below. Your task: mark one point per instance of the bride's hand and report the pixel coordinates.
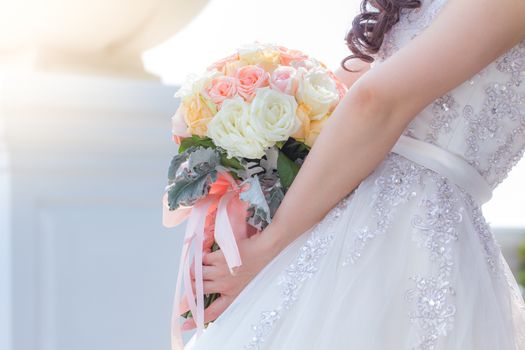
(256, 252)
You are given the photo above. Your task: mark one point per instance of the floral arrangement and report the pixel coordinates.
(244, 127)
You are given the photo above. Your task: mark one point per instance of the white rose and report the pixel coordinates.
(308, 64)
(273, 115)
(195, 84)
(231, 130)
(317, 90)
(252, 52)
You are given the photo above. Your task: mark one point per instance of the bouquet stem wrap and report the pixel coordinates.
(229, 213)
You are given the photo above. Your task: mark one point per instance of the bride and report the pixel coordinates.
(388, 248)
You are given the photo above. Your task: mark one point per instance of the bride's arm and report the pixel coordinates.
(466, 36)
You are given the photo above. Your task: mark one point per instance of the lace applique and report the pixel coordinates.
(445, 110)
(409, 19)
(433, 311)
(500, 163)
(513, 63)
(293, 278)
(392, 188)
(490, 246)
(502, 102)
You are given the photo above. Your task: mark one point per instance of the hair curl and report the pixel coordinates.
(370, 26)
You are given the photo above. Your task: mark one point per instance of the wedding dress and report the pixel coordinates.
(407, 260)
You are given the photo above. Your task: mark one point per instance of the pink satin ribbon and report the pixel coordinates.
(220, 216)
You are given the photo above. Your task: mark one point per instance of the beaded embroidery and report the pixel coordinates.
(433, 311)
(293, 278)
(445, 110)
(502, 104)
(409, 19)
(393, 188)
(490, 246)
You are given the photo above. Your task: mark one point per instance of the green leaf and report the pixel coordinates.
(194, 141)
(287, 169)
(206, 142)
(233, 163)
(280, 144)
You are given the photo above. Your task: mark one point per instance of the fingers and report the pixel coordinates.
(210, 313)
(210, 287)
(212, 273)
(214, 258)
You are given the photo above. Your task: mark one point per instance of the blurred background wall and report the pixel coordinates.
(86, 96)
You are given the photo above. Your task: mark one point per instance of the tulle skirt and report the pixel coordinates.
(406, 261)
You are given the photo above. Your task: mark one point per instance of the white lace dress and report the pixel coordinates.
(407, 261)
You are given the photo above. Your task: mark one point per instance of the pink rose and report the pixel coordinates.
(219, 65)
(288, 55)
(248, 79)
(178, 124)
(284, 79)
(221, 88)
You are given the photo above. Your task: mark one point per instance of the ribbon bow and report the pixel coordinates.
(223, 208)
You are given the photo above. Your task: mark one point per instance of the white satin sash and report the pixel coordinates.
(449, 165)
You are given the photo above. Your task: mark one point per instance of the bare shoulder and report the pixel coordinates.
(465, 37)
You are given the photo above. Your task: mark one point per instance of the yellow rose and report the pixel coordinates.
(198, 113)
(315, 129)
(231, 68)
(264, 55)
(302, 114)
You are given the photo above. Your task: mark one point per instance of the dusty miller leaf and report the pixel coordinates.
(193, 178)
(259, 210)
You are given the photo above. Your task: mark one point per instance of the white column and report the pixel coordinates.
(91, 265)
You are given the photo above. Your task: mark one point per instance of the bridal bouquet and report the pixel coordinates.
(244, 126)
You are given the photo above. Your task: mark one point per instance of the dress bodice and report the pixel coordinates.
(483, 119)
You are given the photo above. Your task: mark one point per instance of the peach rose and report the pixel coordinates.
(264, 55)
(231, 68)
(284, 79)
(315, 129)
(220, 64)
(302, 113)
(221, 88)
(249, 78)
(288, 55)
(198, 112)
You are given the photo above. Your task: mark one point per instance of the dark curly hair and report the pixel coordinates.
(370, 25)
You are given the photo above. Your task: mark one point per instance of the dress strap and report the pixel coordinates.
(447, 164)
